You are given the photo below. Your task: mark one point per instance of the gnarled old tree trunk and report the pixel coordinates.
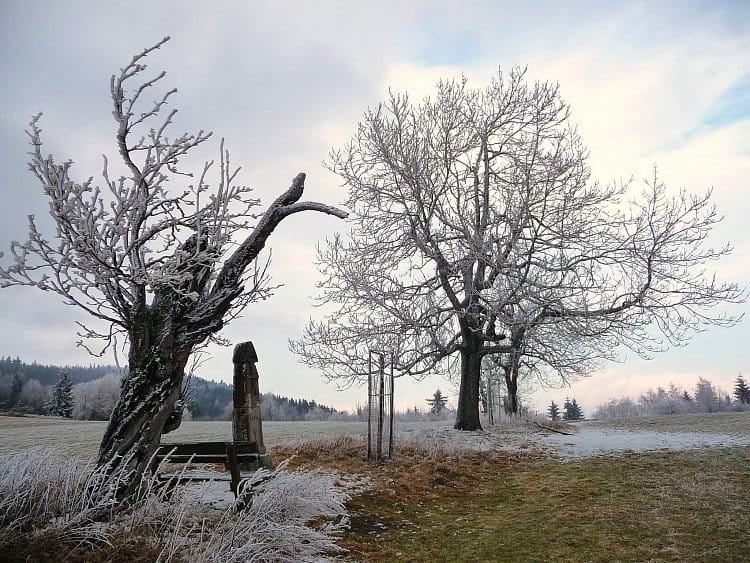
(162, 336)
(147, 401)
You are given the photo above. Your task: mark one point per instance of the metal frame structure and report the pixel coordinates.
(379, 406)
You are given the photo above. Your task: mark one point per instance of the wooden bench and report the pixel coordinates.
(234, 456)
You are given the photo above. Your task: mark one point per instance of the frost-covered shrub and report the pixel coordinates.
(276, 527)
(53, 509)
(662, 402)
(706, 398)
(618, 408)
(45, 496)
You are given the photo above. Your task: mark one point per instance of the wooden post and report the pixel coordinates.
(381, 404)
(370, 452)
(246, 421)
(390, 414)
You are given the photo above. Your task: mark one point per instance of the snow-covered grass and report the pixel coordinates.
(52, 510)
(731, 423)
(674, 432)
(81, 439)
(590, 440)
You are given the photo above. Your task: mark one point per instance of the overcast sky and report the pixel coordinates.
(665, 83)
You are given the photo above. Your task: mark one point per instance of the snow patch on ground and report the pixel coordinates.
(586, 440)
(590, 441)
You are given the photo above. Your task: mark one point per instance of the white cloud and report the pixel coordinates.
(286, 82)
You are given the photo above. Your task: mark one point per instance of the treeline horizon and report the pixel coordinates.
(96, 389)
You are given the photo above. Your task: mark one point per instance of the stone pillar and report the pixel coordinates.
(246, 421)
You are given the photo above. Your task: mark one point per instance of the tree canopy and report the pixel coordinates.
(477, 230)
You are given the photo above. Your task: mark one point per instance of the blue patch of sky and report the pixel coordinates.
(731, 107)
(445, 42)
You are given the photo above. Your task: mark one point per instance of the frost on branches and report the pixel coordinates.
(477, 231)
(150, 253)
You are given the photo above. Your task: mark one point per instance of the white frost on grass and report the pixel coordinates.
(81, 438)
(590, 441)
(294, 515)
(585, 440)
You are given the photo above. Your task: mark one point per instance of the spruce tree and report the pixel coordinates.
(576, 412)
(571, 410)
(437, 403)
(567, 409)
(554, 411)
(62, 400)
(742, 390)
(15, 391)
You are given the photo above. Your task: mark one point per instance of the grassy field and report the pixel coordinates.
(443, 504)
(683, 506)
(78, 438)
(732, 423)
(522, 506)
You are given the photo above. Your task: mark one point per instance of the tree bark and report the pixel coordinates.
(467, 415)
(147, 400)
(511, 384)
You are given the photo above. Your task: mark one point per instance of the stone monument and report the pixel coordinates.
(246, 421)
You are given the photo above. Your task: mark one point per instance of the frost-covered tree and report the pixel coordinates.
(476, 230)
(437, 403)
(152, 251)
(34, 397)
(96, 399)
(62, 397)
(553, 411)
(708, 397)
(742, 390)
(664, 401)
(618, 408)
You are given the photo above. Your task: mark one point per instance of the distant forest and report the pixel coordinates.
(96, 389)
(48, 375)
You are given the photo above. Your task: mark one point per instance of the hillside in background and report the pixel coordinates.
(96, 389)
(47, 374)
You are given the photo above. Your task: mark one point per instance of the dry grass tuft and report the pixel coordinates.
(58, 511)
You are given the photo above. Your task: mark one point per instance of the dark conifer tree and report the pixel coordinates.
(437, 403)
(571, 410)
(15, 391)
(576, 412)
(554, 411)
(566, 409)
(62, 400)
(742, 390)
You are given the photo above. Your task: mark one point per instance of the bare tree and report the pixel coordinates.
(150, 253)
(476, 230)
